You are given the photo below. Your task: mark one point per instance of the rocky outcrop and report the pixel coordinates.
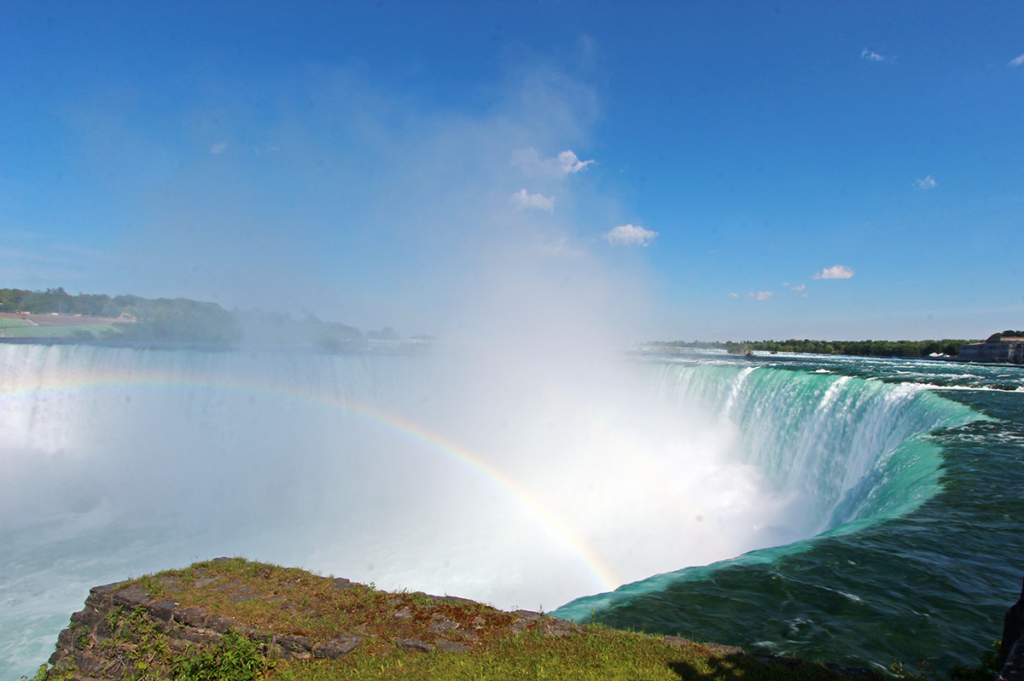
(1011, 651)
(91, 645)
(124, 627)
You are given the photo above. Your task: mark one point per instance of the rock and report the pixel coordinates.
(341, 583)
(163, 610)
(100, 596)
(131, 598)
(86, 618)
(200, 636)
(90, 665)
(226, 587)
(442, 626)
(1013, 628)
(551, 626)
(524, 619)
(559, 627)
(206, 581)
(337, 647)
(178, 645)
(192, 617)
(294, 644)
(1013, 670)
(414, 645)
(220, 624)
(452, 647)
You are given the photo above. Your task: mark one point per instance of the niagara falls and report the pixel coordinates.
(799, 481)
(692, 328)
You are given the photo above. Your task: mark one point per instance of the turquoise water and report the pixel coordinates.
(917, 562)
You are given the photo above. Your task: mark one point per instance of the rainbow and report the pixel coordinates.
(110, 380)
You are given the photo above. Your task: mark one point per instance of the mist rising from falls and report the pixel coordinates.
(513, 482)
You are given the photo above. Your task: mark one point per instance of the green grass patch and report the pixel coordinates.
(82, 331)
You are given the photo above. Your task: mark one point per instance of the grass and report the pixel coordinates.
(594, 655)
(495, 644)
(82, 331)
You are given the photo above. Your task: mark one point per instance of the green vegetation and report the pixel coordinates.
(78, 331)
(1010, 333)
(136, 643)
(162, 319)
(866, 348)
(235, 658)
(180, 320)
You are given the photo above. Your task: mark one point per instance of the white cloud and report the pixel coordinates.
(1019, 61)
(871, 55)
(570, 163)
(801, 287)
(566, 163)
(835, 272)
(927, 183)
(218, 148)
(630, 234)
(759, 295)
(538, 201)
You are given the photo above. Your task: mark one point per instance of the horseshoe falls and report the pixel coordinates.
(849, 510)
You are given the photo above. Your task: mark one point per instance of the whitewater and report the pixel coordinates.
(852, 510)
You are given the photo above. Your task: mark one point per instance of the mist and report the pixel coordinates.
(321, 193)
(522, 460)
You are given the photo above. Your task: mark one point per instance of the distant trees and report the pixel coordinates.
(866, 348)
(50, 300)
(182, 320)
(1009, 333)
(177, 320)
(163, 319)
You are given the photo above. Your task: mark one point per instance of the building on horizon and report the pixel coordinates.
(998, 348)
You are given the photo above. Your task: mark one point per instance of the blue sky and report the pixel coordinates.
(735, 170)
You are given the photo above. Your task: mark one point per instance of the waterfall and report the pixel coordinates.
(513, 483)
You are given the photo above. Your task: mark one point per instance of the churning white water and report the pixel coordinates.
(516, 483)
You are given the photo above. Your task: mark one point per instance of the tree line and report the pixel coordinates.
(182, 320)
(160, 319)
(865, 348)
